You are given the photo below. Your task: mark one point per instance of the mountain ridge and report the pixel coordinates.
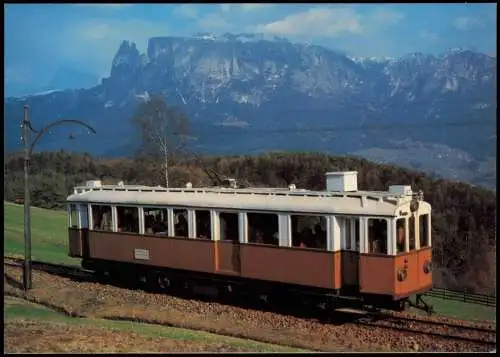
(279, 85)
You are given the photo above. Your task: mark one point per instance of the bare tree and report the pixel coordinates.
(163, 130)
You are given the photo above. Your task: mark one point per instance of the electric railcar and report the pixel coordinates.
(370, 247)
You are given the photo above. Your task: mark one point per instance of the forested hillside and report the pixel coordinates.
(463, 219)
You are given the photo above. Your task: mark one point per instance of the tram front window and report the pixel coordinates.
(401, 235)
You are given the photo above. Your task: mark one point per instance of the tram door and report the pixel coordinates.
(350, 252)
(228, 252)
(84, 226)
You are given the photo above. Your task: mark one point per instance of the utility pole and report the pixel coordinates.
(27, 214)
(28, 150)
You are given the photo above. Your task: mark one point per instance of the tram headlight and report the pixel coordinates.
(427, 267)
(402, 274)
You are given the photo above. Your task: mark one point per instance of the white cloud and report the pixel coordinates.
(331, 22)
(465, 23)
(315, 22)
(430, 36)
(187, 11)
(384, 17)
(213, 21)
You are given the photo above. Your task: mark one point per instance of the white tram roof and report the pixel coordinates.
(253, 199)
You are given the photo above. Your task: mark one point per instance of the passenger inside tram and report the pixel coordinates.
(156, 221)
(181, 225)
(161, 225)
(263, 228)
(377, 236)
(127, 219)
(229, 226)
(101, 216)
(203, 226)
(320, 236)
(308, 232)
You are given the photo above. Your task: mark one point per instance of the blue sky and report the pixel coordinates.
(41, 38)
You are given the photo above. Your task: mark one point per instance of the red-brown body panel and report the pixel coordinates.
(228, 258)
(291, 265)
(75, 242)
(350, 268)
(375, 274)
(379, 274)
(424, 279)
(177, 253)
(408, 261)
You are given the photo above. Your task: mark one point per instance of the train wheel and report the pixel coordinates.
(102, 276)
(401, 305)
(227, 293)
(163, 282)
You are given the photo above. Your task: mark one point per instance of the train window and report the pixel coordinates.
(203, 224)
(73, 216)
(355, 222)
(309, 231)
(377, 236)
(229, 226)
(84, 216)
(263, 228)
(352, 234)
(181, 223)
(348, 234)
(156, 221)
(401, 235)
(102, 218)
(411, 227)
(424, 230)
(127, 219)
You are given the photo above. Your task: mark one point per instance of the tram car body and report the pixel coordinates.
(365, 246)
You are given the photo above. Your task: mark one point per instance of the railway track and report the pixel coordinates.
(453, 331)
(482, 334)
(63, 270)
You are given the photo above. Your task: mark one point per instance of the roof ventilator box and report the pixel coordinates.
(400, 190)
(342, 181)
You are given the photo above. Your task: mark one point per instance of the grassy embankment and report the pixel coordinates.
(33, 328)
(49, 243)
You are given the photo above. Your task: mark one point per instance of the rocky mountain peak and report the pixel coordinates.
(262, 83)
(127, 55)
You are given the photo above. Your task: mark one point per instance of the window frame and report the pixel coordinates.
(73, 208)
(195, 223)
(138, 219)
(113, 217)
(278, 214)
(406, 243)
(427, 229)
(366, 234)
(142, 220)
(188, 219)
(218, 235)
(323, 216)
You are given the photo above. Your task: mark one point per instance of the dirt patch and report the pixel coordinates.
(43, 337)
(104, 301)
